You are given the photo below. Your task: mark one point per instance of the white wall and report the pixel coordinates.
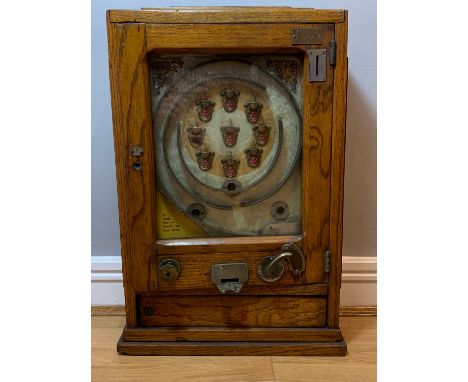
(360, 179)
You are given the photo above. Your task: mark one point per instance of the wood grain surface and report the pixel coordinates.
(221, 15)
(316, 156)
(349, 311)
(251, 290)
(235, 311)
(232, 334)
(122, 65)
(337, 171)
(220, 36)
(326, 349)
(131, 113)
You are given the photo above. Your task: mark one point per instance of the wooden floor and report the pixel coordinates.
(359, 365)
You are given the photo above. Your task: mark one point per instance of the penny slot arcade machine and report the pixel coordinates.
(229, 129)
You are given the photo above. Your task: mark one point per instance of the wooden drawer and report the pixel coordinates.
(232, 311)
(196, 271)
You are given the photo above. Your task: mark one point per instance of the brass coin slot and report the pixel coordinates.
(229, 277)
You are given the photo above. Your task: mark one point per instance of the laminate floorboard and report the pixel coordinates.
(358, 366)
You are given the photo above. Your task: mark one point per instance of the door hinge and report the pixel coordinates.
(327, 261)
(333, 53)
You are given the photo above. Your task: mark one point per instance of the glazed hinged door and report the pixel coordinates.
(242, 152)
(228, 139)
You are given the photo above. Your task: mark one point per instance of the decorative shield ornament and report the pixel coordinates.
(253, 110)
(261, 134)
(195, 135)
(205, 109)
(205, 160)
(230, 97)
(230, 134)
(254, 156)
(230, 166)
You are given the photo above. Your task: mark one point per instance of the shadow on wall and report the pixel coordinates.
(360, 200)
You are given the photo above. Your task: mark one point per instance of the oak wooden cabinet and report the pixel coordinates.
(229, 130)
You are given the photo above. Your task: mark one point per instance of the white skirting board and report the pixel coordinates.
(358, 286)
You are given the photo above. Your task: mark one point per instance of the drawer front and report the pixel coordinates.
(232, 311)
(195, 271)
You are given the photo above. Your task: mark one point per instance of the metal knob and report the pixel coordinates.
(169, 270)
(271, 268)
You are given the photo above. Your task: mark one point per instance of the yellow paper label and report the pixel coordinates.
(172, 223)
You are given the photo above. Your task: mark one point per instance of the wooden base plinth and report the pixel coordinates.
(213, 348)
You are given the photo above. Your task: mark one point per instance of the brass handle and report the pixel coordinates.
(271, 268)
(281, 256)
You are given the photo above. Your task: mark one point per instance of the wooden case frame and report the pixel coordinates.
(132, 35)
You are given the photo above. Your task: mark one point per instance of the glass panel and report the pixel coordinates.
(227, 138)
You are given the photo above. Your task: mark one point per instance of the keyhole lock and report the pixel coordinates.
(317, 65)
(137, 166)
(169, 270)
(271, 268)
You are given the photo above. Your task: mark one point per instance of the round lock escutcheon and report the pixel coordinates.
(169, 270)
